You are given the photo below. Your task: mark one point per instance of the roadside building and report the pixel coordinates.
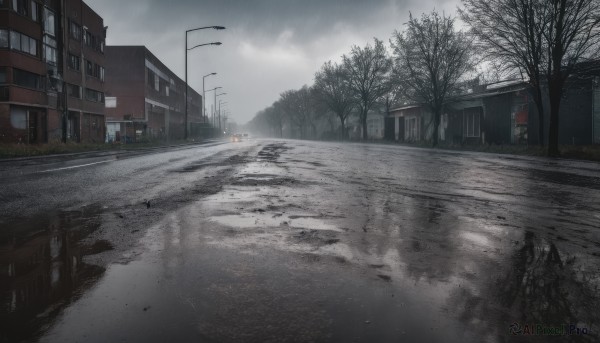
(375, 126)
(409, 123)
(51, 72)
(145, 99)
(505, 113)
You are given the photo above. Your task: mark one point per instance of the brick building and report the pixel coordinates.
(51, 72)
(145, 99)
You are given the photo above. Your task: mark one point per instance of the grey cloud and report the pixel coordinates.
(308, 32)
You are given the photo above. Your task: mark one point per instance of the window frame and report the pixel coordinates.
(75, 30)
(74, 66)
(39, 79)
(49, 14)
(471, 127)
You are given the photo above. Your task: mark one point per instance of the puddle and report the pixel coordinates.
(274, 220)
(42, 269)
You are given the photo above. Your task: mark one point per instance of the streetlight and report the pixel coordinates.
(216, 95)
(210, 90)
(204, 95)
(221, 103)
(186, 67)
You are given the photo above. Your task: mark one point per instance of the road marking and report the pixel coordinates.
(73, 167)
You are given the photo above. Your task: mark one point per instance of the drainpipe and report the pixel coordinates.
(65, 55)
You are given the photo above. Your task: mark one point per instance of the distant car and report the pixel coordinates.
(236, 138)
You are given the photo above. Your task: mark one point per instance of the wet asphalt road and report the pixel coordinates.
(269, 240)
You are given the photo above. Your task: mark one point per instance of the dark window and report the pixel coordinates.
(20, 6)
(3, 38)
(3, 3)
(2, 74)
(151, 77)
(75, 30)
(92, 95)
(87, 38)
(74, 91)
(74, 62)
(89, 68)
(27, 79)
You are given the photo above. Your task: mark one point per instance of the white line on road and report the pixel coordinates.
(73, 167)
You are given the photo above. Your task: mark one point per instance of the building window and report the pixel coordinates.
(157, 83)
(151, 77)
(93, 95)
(2, 75)
(22, 43)
(3, 3)
(49, 22)
(20, 6)
(26, 79)
(95, 70)
(74, 91)
(15, 40)
(471, 122)
(89, 68)
(87, 38)
(3, 38)
(18, 117)
(50, 54)
(74, 30)
(74, 62)
(34, 11)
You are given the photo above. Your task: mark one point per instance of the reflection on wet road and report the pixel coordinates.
(305, 241)
(42, 269)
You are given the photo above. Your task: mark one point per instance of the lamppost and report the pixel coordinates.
(210, 90)
(204, 95)
(221, 103)
(186, 67)
(216, 95)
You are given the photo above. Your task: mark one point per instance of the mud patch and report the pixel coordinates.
(214, 162)
(315, 237)
(271, 152)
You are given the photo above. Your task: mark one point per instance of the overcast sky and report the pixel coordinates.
(269, 46)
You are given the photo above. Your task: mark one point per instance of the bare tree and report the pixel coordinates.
(297, 105)
(545, 39)
(331, 85)
(573, 34)
(431, 57)
(368, 77)
(510, 35)
(274, 116)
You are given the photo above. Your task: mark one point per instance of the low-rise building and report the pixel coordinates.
(145, 99)
(51, 72)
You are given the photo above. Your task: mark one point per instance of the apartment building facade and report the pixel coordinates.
(51, 72)
(145, 99)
